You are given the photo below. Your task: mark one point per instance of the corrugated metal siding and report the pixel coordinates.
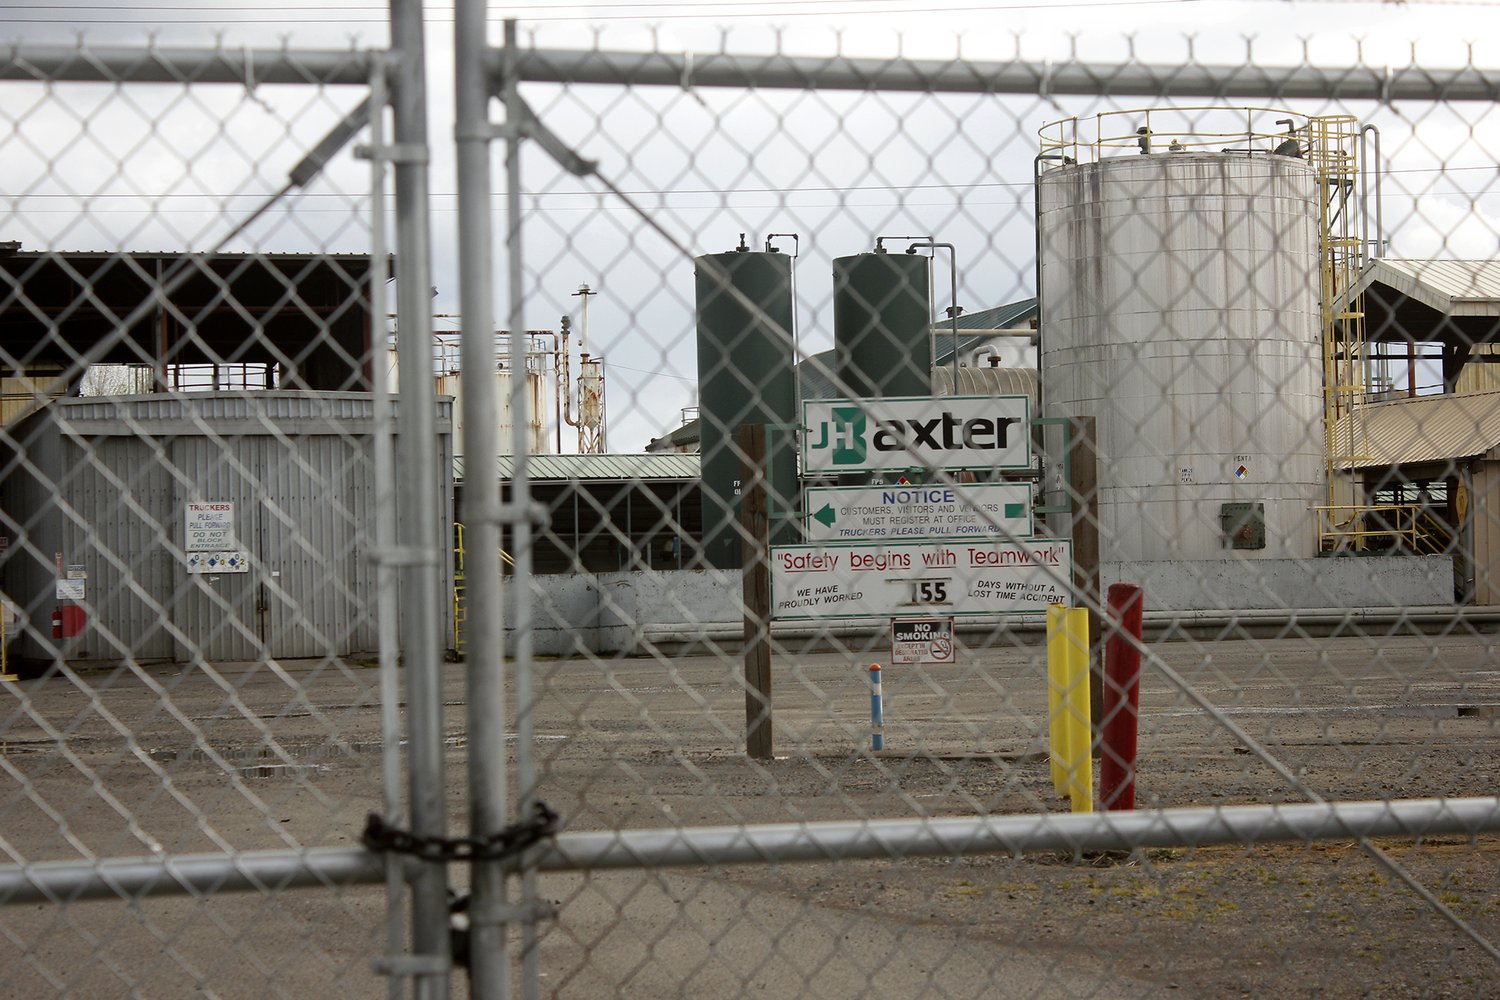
(1424, 429)
(303, 513)
(1453, 287)
(986, 381)
(1479, 375)
(1485, 514)
(665, 465)
(130, 589)
(307, 540)
(216, 614)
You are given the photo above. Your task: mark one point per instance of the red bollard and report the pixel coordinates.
(1122, 698)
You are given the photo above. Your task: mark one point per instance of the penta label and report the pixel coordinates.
(953, 432)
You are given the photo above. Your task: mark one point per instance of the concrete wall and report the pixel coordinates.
(1301, 584)
(638, 613)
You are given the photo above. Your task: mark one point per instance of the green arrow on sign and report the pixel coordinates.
(826, 515)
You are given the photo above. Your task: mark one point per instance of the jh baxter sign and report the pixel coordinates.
(950, 432)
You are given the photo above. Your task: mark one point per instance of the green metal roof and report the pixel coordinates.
(668, 465)
(999, 318)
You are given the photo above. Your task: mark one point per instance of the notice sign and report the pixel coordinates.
(210, 526)
(972, 510)
(922, 640)
(932, 432)
(911, 579)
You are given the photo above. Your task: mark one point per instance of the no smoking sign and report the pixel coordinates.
(922, 640)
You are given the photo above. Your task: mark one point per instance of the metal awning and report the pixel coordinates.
(1449, 287)
(593, 468)
(1455, 303)
(1421, 429)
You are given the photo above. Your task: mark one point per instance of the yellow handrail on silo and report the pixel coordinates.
(1332, 148)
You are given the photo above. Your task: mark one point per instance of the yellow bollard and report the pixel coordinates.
(1078, 727)
(1057, 664)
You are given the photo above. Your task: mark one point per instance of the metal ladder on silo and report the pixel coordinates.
(1332, 148)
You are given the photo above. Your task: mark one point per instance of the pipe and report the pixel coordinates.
(1379, 246)
(693, 847)
(953, 309)
(386, 598)
(565, 376)
(519, 512)
(1411, 82)
(173, 65)
(952, 837)
(1041, 318)
(484, 662)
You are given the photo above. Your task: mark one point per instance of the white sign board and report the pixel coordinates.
(218, 562)
(974, 510)
(907, 579)
(922, 640)
(933, 432)
(210, 526)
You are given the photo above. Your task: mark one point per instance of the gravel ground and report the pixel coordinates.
(106, 766)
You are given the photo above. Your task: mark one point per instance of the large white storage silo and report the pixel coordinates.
(1180, 308)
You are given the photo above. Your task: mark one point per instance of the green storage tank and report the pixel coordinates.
(882, 320)
(745, 376)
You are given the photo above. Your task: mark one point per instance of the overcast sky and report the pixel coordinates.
(167, 168)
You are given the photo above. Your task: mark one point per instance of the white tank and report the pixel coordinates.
(538, 440)
(1180, 308)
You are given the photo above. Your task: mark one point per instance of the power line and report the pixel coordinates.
(646, 371)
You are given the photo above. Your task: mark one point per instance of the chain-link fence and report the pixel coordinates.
(824, 380)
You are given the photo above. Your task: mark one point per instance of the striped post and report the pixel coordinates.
(877, 710)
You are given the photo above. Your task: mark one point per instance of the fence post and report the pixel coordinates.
(1083, 487)
(421, 636)
(756, 560)
(485, 666)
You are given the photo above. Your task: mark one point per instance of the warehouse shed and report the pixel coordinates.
(232, 525)
(1437, 457)
(608, 513)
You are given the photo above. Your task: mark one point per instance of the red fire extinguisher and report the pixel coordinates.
(57, 623)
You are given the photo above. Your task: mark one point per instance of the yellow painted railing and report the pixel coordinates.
(1357, 528)
(460, 610)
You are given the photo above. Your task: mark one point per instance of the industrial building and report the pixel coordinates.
(228, 524)
(1216, 301)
